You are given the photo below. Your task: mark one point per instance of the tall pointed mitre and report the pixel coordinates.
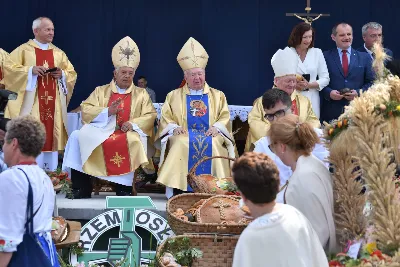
(126, 53)
(284, 62)
(192, 55)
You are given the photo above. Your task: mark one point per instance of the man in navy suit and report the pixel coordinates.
(349, 70)
(372, 33)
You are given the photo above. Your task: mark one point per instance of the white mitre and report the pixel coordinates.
(284, 62)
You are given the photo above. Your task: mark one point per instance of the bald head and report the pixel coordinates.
(43, 29)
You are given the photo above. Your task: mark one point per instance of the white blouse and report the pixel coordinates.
(262, 146)
(13, 202)
(315, 65)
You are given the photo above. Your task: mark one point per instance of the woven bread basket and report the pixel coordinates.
(185, 202)
(217, 249)
(207, 183)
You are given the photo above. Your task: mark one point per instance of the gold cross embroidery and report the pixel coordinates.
(221, 205)
(194, 58)
(117, 159)
(46, 97)
(113, 137)
(46, 64)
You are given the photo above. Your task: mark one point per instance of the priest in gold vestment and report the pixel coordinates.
(284, 62)
(3, 56)
(195, 122)
(118, 122)
(44, 79)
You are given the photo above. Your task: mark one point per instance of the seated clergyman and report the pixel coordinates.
(195, 122)
(284, 62)
(119, 119)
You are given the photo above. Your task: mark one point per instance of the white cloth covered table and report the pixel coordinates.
(241, 112)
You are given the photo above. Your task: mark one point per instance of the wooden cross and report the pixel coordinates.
(307, 17)
(221, 205)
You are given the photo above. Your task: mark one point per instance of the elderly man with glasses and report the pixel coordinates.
(277, 104)
(284, 62)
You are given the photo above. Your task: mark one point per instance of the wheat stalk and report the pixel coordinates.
(375, 161)
(349, 203)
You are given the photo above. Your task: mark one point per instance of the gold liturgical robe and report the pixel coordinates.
(175, 150)
(16, 70)
(259, 126)
(142, 113)
(3, 56)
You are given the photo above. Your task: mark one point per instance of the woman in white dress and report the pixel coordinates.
(23, 142)
(309, 189)
(311, 61)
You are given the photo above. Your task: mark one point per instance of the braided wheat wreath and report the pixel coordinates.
(368, 146)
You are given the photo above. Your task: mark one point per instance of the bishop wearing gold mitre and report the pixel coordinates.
(194, 124)
(284, 62)
(3, 56)
(44, 79)
(118, 122)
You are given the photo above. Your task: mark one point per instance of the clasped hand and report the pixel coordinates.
(41, 71)
(301, 86)
(126, 126)
(213, 131)
(335, 95)
(350, 95)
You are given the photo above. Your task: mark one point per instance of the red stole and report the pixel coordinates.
(295, 110)
(115, 148)
(1, 74)
(46, 92)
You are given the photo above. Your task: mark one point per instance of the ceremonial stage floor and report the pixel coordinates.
(87, 209)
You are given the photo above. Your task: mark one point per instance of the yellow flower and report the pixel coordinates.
(398, 108)
(370, 247)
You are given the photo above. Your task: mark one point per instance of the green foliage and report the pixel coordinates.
(388, 109)
(77, 248)
(182, 251)
(336, 127)
(230, 187)
(64, 181)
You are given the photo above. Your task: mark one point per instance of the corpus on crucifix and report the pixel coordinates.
(307, 17)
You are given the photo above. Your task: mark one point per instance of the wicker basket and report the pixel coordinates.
(206, 183)
(185, 202)
(217, 249)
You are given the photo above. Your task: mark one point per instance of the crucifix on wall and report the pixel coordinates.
(307, 17)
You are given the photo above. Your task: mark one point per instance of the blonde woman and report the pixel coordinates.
(309, 189)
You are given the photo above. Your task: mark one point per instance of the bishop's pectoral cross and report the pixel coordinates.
(307, 17)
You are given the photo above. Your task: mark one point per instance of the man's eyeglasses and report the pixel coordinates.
(278, 114)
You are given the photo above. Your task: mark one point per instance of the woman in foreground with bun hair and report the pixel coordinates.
(309, 189)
